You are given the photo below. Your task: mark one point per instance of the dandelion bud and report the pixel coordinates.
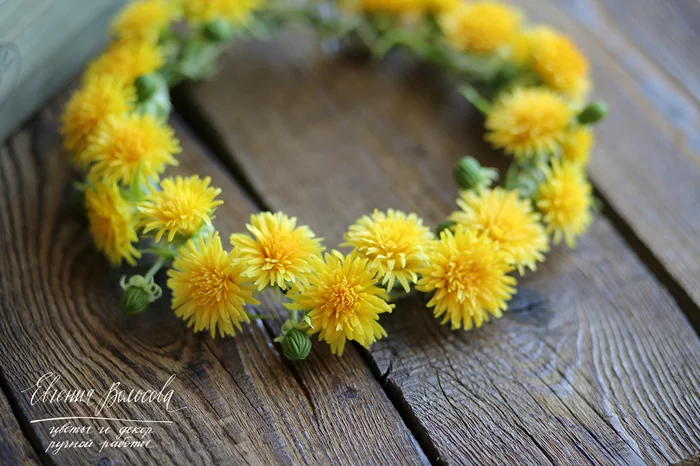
(146, 85)
(218, 31)
(138, 293)
(134, 301)
(593, 113)
(153, 95)
(296, 345)
(469, 174)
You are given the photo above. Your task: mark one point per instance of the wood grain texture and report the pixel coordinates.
(668, 32)
(245, 404)
(647, 163)
(14, 446)
(594, 364)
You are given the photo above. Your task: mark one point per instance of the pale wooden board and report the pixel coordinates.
(43, 43)
(245, 403)
(595, 364)
(647, 164)
(668, 32)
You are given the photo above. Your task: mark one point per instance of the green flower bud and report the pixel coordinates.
(296, 345)
(445, 225)
(593, 113)
(146, 85)
(218, 31)
(134, 301)
(153, 95)
(469, 174)
(138, 293)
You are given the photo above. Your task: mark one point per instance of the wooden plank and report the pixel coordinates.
(244, 403)
(594, 364)
(647, 162)
(14, 446)
(668, 32)
(43, 43)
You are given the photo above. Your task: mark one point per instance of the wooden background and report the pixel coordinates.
(598, 360)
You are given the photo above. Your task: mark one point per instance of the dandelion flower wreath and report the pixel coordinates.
(530, 82)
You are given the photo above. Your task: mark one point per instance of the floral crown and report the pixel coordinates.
(530, 82)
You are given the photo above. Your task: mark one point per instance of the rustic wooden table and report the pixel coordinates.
(596, 362)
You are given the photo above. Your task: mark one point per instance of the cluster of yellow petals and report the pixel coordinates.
(396, 244)
(209, 290)
(560, 64)
(112, 222)
(181, 206)
(234, 11)
(565, 200)
(577, 144)
(279, 253)
(126, 145)
(528, 122)
(480, 27)
(127, 60)
(98, 99)
(343, 301)
(468, 274)
(508, 221)
(144, 20)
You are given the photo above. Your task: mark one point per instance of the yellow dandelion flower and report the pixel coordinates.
(112, 221)
(528, 122)
(560, 64)
(565, 202)
(144, 19)
(468, 275)
(181, 205)
(280, 253)
(96, 100)
(395, 243)
(522, 45)
(127, 59)
(209, 289)
(234, 11)
(343, 301)
(480, 27)
(508, 220)
(576, 146)
(123, 145)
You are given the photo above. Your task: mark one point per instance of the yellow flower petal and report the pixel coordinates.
(468, 276)
(209, 291)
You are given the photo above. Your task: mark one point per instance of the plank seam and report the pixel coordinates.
(651, 59)
(23, 421)
(650, 260)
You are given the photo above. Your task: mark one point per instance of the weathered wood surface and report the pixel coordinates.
(244, 402)
(595, 362)
(647, 165)
(14, 447)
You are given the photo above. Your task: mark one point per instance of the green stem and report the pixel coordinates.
(261, 317)
(157, 265)
(475, 98)
(164, 253)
